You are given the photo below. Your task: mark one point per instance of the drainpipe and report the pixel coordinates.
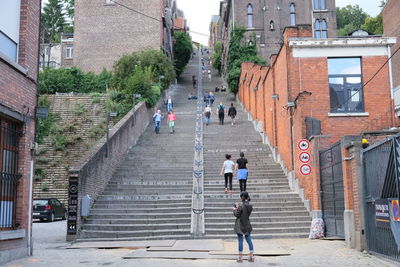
(391, 87)
(233, 14)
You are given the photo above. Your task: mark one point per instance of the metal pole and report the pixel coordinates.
(108, 145)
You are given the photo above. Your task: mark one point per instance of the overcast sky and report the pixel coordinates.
(198, 13)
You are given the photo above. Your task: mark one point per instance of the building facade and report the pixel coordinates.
(266, 20)
(105, 30)
(319, 90)
(391, 27)
(19, 52)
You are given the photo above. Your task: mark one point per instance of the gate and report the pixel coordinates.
(332, 191)
(381, 164)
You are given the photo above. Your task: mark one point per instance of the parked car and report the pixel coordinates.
(49, 209)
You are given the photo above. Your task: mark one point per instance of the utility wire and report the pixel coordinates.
(156, 19)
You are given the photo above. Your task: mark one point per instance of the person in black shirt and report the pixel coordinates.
(232, 113)
(242, 172)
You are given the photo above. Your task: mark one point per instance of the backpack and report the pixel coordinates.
(221, 109)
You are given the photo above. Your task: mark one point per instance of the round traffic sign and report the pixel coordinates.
(303, 145)
(305, 169)
(304, 157)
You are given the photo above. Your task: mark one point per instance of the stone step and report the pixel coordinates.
(261, 230)
(96, 215)
(261, 219)
(96, 210)
(136, 221)
(170, 233)
(137, 227)
(256, 213)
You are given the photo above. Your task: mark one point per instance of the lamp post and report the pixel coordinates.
(109, 114)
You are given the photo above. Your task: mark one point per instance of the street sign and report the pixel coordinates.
(305, 157)
(72, 206)
(303, 144)
(382, 217)
(305, 169)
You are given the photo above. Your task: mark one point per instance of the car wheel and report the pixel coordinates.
(64, 216)
(51, 218)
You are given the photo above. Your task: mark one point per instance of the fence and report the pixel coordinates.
(381, 179)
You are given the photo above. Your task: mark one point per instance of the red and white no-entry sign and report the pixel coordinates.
(305, 169)
(303, 144)
(305, 157)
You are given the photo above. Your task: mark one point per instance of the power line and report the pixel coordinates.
(156, 19)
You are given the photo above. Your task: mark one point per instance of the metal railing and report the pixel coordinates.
(9, 177)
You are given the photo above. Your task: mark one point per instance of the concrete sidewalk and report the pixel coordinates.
(50, 250)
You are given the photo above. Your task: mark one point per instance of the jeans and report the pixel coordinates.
(242, 184)
(169, 107)
(207, 120)
(248, 240)
(228, 179)
(157, 125)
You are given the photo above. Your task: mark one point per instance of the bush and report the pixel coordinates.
(160, 64)
(216, 57)
(183, 50)
(72, 80)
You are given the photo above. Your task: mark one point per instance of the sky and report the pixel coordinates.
(199, 12)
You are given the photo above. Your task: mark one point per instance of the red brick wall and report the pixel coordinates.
(287, 78)
(18, 93)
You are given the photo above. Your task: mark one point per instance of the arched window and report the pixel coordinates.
(292, 8)
(323, 29)
(249, 16)
(320, 28)
(271, 25)
(317, 27)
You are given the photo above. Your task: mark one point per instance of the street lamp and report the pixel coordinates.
(109, 115)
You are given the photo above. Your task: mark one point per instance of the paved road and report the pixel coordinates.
(49, 250)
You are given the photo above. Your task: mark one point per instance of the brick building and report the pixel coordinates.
(391, 27)
(19, 51)
(105, 30)
(180, 21)
(266, 20)
(320, 90)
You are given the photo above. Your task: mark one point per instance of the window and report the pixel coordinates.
(9, 137)
(292, 14)
(110, 2)
(69, 51)
(345, 85)
(319, 5)
(9, 28)
(271, 25)
(320, 28)
(249, 16)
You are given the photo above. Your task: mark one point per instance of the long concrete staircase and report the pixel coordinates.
(150, 194)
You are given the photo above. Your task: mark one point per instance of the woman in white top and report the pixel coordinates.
(227, 170)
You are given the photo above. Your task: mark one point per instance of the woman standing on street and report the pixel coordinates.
(243, 227)
(227, 170)
(242, 172)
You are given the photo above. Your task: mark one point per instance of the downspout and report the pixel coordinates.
(30, 247)
(391, 87)
(290, 109)
(233, 14)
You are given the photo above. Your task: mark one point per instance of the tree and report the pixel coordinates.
(52, 24)
(239, 53)
(349, 19)
(69, 14)
(183, 50)
(374, 24)
(217, 56)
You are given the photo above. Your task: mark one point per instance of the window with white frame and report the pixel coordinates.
(69, 51)
(345, 85)
(249, 16)
(292, 8)
(110, 2)
(319, 5)
(9, 28)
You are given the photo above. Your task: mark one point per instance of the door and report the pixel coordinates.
(332, 191)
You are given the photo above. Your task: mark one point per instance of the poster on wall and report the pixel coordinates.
(382, 216)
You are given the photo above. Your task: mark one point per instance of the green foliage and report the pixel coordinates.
(183, 50)
(352, 18)
(45, 125)
(217, 56)
(239, 53)
(52, 21)
(160, 64)
(79, 109)
(42, 160)
(44, 187)
(72, 80)
(374, 25)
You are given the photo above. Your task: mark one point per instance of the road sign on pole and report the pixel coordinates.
(305, 169)
(305, 157)
(303, 144)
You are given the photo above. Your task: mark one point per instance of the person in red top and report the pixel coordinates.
(171, 121)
